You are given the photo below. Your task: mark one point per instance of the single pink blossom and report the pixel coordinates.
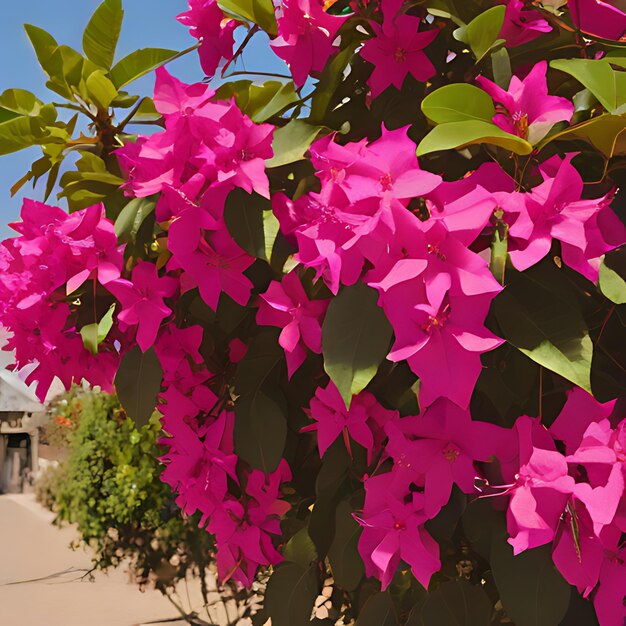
(333, 419)
(526, 109)
(522, 25)
(597, 18)
(393, 529)
(397, 49)
(306, 35)
(208, 24)
(286, 305)
(142, 301)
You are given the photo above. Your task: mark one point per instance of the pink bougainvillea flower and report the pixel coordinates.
(333, 419)
(286, 305)
(578, 553)
(397, 49)
(305, 37)
(216, 265)
(605, 20)
(393, 529)
(198, 464)
(465, 206)
(388, 168)
(541, 490)
(579, 411)
(526, 109)
(522, 25)
(244, 528)
(441, 446)
(555, 209)
(142, 301)
(441, 336)
(608, 600)
(207, 22)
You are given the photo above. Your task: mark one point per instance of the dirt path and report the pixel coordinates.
(31, 549)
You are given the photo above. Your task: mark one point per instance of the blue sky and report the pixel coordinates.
(147, 23)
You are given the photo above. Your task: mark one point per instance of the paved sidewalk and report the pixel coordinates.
(31, 549)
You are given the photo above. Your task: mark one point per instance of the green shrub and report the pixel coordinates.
(110, 488)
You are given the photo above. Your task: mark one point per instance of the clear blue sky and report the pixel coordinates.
(147, 23)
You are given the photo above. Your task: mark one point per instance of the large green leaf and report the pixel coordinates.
(21, 102)
(102, 32)
(291, 142)
(18, 133)
(458, 102)
(300, 549)
(138, 382)
(290, 595)
(459, 603)
(605, 83)
(44, 45)
(481, 34)
(610, 281)
(378, 611)
(461, 134)
(328, 484)
(132, 216)
(539, 314)
(244, 216)
(355, 339)
(259, 101)
(260, 425)
(531, 589)
(604, 132)
(260, 12)
(139, 63)
(100, 89)
(345, 560)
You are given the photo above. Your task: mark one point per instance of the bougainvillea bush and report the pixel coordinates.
(377, 299)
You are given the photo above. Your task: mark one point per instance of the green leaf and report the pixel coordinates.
(481, 34)
(459, 603)
(102, 32)
(105, 324)
(89, 334)
(611, 284)
(244, 217)
(334, 470)
(597, 75)
(100, 89)
(132, 216)
(378, 611)
(291, 142)
(138, 382)
(355, 339)
(345, 560)
(44, 45)
(259, 101)
(19, 133)
(260, 12)
(138, 64)
(271, 228)
(539, 314)
(501, 67)
(300, 549)
(290, 595)
(531, 589)
(260, 425)
(21, 102)
(604, 132)
(461, 134)
(458, 102)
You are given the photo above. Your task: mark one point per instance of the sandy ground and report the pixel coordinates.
(40, 577)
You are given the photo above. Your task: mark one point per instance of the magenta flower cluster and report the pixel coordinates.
(373, 216)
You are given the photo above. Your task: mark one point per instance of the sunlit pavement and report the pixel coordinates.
(41, 577)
